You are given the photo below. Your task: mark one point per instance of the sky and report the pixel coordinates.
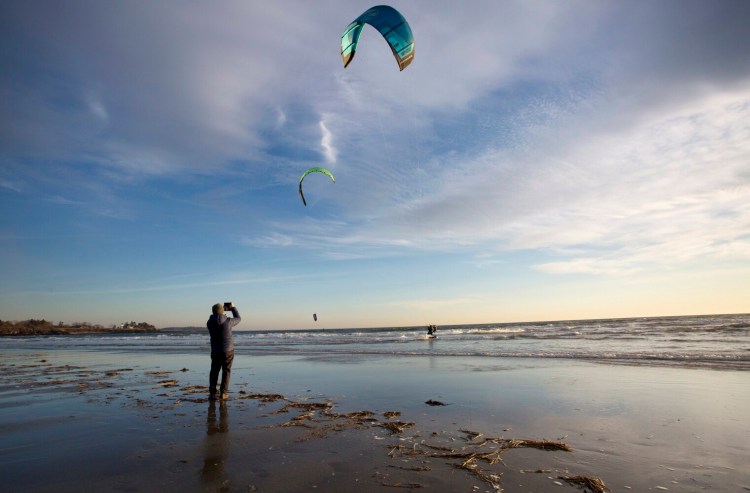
(538, 160)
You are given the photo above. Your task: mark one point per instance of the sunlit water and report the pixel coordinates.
(720, 341)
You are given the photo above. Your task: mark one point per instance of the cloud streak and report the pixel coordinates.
(326, 142)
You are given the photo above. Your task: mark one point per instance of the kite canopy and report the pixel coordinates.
(391, 24)
(312, 170)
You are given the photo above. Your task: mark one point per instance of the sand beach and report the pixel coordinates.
(74, 420)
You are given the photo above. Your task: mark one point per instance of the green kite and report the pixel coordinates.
(312, 170)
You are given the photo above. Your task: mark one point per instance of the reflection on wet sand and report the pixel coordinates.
(216, 446)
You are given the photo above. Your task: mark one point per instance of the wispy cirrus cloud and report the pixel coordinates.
(326, 142)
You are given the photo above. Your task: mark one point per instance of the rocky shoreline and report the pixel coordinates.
(43, 327)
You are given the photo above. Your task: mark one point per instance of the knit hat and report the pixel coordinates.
(217, 309)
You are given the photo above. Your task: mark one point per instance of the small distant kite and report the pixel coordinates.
(391, 24)
(312, 170)
(315, 317)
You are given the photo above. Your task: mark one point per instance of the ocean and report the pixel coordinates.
(713, 341)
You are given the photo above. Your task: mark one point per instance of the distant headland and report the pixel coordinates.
(43, 327)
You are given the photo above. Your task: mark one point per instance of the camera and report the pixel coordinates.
(228, 306)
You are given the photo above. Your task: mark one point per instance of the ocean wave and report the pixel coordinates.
(712, 360)
(680, 339)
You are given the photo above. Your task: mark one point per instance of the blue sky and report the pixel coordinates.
(538, 160)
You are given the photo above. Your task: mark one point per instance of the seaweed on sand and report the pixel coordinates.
(395, 427)
(167, 383)
(539, 444)
(194, 389)
(322, 412)
(305, 406)
(596, 485)
(471, 435)
(410, 486)
(493, 479)
(413, 468)
(487, 451)
(358, 416)
(300, 420)
(264, 398)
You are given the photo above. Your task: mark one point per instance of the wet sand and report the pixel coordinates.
(97, 421)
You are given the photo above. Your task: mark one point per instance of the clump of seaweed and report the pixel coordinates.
(264, 398)
(395, 427)
(300, 420)
(167, 383)
(411, 486)
(306, 406)
(471, 435)
(493, 479)
(359, 416)
(596, 485)
(413, 468)
(539, 444)
(311, 413)
(194, 389)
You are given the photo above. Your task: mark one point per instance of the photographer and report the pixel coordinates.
(222, 347)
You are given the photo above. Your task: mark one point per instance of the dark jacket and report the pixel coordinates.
(220, 329)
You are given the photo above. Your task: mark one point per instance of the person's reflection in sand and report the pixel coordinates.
(216, 447)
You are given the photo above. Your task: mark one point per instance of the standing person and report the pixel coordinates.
(222, 347)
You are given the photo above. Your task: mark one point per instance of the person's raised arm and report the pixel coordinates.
(235, 316)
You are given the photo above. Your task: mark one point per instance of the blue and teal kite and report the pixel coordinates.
(391, 24)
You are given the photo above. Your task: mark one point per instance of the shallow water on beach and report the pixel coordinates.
(645, 404)
(640, 427)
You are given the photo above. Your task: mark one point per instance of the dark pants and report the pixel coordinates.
(223, 362)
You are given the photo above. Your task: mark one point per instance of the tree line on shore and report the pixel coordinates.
(44, 327)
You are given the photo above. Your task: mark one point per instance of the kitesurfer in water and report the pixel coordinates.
(222, 347)
(431, 329)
